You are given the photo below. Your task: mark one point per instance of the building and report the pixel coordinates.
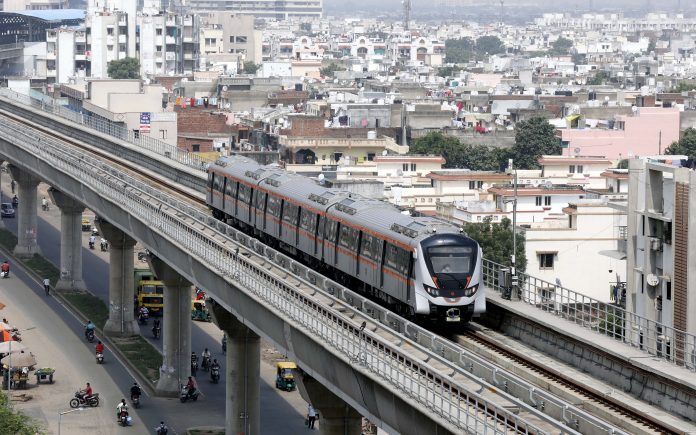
(231, 33)
(270, 9)
(661, 249)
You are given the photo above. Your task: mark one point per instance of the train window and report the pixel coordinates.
(244, 193)
(391, 256)
(273, 207)
(349, 237)
(377, 248)
(308, 220)
(331, 229)
(366, 248)
(290, 213)
(210, 179)
(260, 200)
(221, 183)
(230, 188)
(404, 260)
(216, 182)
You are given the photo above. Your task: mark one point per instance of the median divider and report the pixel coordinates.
(142, 358)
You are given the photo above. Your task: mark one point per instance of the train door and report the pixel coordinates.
(260, 210)
(330, 236)
(230, 197)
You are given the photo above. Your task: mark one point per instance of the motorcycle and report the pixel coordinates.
(194, 368)
(123, 417)
(205, 363)
(184, 396)
(215, 374)
(89, 334)
(156, 331)
(136, 401)
(44, 207)
(142, 318)
(91, 245)
(104, 245)
(100, 358)
(80, 400)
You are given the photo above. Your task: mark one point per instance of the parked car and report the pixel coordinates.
(6, 210)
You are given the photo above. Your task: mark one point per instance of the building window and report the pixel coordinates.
(546, 260)
(669, 290)
(571, 169)
(196, 148)
(413, 166)
(537, 201)
(547, 200)
(472, 185)
(479, 184)
(158, 32)
(158, 48)
(579, 169)
(163, 134)
(241, 39)
(231, 39)
(110, 31)
(404, 167)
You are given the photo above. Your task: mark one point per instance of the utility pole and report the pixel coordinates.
(502, 11)
(407, 14)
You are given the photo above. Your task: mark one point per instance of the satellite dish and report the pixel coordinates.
(548, 184)
(484, 186)
(653, 280)
(224, 88)
(558, 282)
(385, 152)
(399, 172)
(320, 177)
(576, 151)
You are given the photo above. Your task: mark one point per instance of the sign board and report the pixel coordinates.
(144, 122)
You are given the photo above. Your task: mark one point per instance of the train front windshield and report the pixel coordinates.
(451, 259)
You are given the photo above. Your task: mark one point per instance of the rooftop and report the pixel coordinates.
(54, 14)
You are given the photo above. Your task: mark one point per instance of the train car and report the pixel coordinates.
(421, 267)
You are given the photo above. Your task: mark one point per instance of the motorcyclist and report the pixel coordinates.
(205, 357)
(162, 429)
(86, 392)
(15, 201)
(99, 348)
(190, 386)
(143, 313)
(103, 244)
(224, 343)
(121, 407)
(155, 325)
(44, 203)
(215, 365)
(5, 268)
(135, 391)
(92, 241)
(89, 326)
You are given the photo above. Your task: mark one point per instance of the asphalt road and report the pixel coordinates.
(282, 412)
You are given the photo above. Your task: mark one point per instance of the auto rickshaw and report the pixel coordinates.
(285, 378)
(86, 225)
(199, 311)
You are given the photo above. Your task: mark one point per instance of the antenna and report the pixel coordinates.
(407, 13)
(502, 11)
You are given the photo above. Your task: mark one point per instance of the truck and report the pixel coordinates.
(149, 291)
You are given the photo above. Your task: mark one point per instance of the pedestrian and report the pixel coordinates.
(12, 185)
(311, 416)
(47, 285)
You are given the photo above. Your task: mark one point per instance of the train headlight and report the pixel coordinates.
(468, 292)
(432, 291)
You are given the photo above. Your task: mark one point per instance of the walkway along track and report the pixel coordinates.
(281, 268)
(632, 420)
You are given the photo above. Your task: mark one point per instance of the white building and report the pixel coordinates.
(65, 54)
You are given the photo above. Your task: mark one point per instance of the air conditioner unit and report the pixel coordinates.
(655, 244)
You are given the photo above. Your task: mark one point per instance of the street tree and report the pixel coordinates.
(533, 138)
(250, 67)
(459, 50)
(561, 46)
(12, 422)
(126, 68)
(488, 45)
(330, 70)
(496, 242)
(686, 145)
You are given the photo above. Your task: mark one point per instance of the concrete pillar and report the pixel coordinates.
(336, 417)
(176, 333)
(26, 214)
(3, 198)
(243, 404)
(70, 241)
(121, 310)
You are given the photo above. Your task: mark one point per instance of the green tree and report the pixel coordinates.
(496, 242)
(623, 164)
(457, 155)
(686, 145)
(488, 45)
(16, 423)
(533, 138)
(250, 67)
(328, 71)
(599, 78)
(447, 71)
(561, 46)
(459, 50)
(652, 45)
(684, 87)
(126, 68)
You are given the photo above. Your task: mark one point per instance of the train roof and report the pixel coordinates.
(372, 214)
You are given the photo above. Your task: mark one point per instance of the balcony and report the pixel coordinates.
(122, 39)
(51, 55)
(80, 55)
(170, 40)
(188, 38)
(188, 56)
(169, 56)
(159, 40)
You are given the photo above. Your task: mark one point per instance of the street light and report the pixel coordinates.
(61, 414)
(9, 362)
(511, 170)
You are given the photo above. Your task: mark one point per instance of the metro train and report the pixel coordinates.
(420, 267)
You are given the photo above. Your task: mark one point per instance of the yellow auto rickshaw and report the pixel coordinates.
(285, 377)
(199, 311)
(86, 225)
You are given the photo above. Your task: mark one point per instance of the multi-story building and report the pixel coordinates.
(274, 9)
(70, 61)
(168, 44)
(661, 263)
(231, 34)
(32, 5)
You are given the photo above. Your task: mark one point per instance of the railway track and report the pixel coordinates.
(197, 199)
(479, 340)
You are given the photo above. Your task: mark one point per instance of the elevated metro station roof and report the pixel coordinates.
(31, 25)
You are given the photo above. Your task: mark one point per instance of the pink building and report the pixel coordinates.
(633, 135)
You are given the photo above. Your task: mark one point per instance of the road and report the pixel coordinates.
(282, 412)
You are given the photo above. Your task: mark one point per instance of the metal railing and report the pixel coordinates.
(659, 340)
(103, 126)
(409, 377)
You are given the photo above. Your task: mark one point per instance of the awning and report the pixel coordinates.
(618, 255)
(572, 118)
